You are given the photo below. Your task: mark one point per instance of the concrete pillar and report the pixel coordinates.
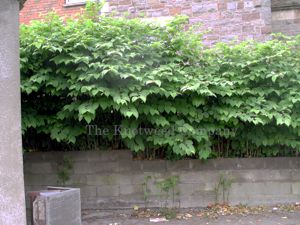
(12, 201)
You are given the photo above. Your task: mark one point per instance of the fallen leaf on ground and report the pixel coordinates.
(188, 215)
(157, 220)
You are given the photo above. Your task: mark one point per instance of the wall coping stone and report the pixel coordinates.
(279, 5)
(166, 165)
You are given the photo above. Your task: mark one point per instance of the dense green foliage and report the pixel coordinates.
(229, 100)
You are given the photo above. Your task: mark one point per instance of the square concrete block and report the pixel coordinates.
(56, 206)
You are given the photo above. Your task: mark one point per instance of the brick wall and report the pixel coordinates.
(111, 179)
(35, 9)
(225, 19)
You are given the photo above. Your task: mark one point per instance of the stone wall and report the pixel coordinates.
(286, 16)
(111, 179)
(225, 20)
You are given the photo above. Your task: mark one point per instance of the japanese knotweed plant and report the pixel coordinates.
(108, 71)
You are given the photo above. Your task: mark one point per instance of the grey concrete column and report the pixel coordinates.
(12, 202)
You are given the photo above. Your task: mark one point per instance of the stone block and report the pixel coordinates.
(75, 156)
(199, 165)
(240, 6)
(109, 155)
(222, 6)
(82, 168)
(197, 8)
(40, 179)
(296, 188)
(175, 11)
(201, 177)
(202, 200)
(130, 200)
(248, 29)
(248, 4)
(27, 167)
(284, 5)
(283, 163)
(42, 168)
(154, 166)
(131, 178)
(108, 191)
(131, 189)
(187, 12)
(100, 203)
(266, 3)
(101, 167)
(179, 165)
(257, 3)
(77, 180)
(125, 2)
(57, 206)
(102, 179)
(130, 166)
(111, 203)
(163, 201)
(88, 191)
(261, 175)
(152, 187)
(232, 6)
(157, 13)
(295, 174)
(190, 189)
(37, 157)
(248, 190)
(210, 7)
(251, 16)
(228, 164)
(153, 2)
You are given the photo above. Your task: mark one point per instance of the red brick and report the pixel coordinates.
(33, 9)
(175, 11)
(240, 5)
(125, 2)
(222, 6)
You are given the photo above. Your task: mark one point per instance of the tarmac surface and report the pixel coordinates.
(125, 218)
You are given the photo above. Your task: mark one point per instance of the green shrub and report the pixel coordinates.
(229, 100)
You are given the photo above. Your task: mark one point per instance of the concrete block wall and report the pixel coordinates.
(224, 20)
(111, 179)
